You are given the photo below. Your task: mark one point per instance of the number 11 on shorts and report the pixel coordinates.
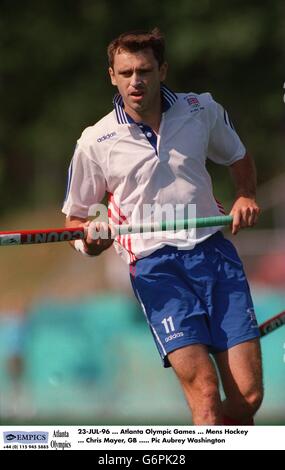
(168, 324)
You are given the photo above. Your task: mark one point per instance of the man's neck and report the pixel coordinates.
(152, 121)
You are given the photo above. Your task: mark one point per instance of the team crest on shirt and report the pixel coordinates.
(194, 103)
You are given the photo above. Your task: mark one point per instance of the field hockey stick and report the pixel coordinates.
(272, 324)
(28, 237)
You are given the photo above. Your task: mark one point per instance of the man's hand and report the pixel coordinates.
(100, 236)
(245, 212)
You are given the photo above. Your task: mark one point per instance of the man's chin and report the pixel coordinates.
(137, 107)
(137, 104)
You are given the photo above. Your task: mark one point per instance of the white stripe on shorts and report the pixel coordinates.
(153, 329)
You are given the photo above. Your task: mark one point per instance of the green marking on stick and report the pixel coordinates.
(175, 225)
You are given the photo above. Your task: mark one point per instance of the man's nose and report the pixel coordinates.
(136, 80)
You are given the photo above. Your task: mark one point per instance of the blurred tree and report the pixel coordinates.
(53, 80)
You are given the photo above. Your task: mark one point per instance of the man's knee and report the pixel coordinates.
(249, 402)
(254, 399)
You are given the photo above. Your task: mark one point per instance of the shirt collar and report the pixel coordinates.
(168, 99)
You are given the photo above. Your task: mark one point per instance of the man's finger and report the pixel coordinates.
(236, 222)
(252, 219)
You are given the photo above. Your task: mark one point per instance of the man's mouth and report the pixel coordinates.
(137, 94)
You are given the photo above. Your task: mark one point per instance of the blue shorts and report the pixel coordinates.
(197, 296)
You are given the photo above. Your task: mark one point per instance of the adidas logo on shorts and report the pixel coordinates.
(175, 335)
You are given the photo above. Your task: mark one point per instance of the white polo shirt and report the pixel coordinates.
(139, 169)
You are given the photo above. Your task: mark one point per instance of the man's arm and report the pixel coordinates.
(245, 210)
(92, 247)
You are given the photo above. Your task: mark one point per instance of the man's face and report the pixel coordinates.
(137, 76)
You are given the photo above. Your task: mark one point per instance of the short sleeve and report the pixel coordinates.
(86, 185)
(225, 146)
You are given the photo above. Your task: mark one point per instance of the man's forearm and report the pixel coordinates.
(243, 173)
(245, 210)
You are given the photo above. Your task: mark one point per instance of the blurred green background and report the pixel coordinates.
(73, 343)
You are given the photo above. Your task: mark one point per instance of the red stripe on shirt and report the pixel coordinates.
(220, 206)
(119, 218)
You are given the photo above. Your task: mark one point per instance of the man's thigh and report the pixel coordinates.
(240, 368)
(192, 362)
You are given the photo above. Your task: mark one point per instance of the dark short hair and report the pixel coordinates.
(134, 41)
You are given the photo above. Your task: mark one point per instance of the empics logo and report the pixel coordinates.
(40, 437)
(106, 136)
(10, 437)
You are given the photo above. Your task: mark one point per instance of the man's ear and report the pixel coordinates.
(163, 71)
(112, 76)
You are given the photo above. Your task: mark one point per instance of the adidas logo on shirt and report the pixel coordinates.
(106, 136)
